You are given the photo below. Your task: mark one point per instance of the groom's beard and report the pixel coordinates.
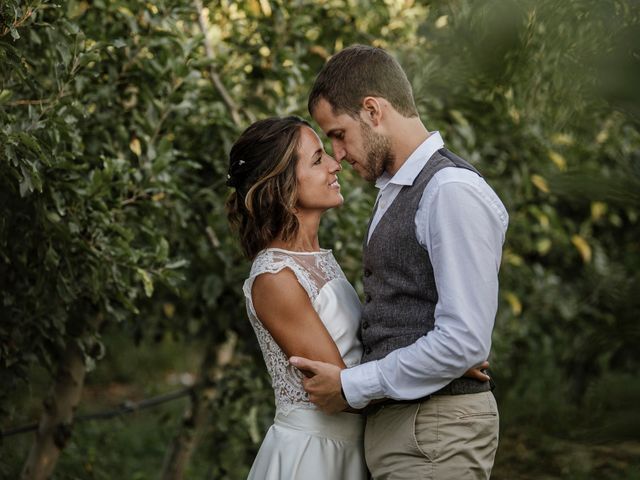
(379, 156)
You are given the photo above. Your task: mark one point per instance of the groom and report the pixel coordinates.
(431, 258)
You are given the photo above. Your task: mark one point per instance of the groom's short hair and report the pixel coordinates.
(359, 71)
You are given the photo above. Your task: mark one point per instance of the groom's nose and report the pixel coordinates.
(338, 151)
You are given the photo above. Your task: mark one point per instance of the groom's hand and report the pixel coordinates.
(323, 386)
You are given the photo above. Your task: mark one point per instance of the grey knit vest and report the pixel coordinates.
(399, 284)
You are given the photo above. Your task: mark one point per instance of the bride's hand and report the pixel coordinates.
(477, 372)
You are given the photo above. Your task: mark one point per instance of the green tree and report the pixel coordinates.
(117, 117)
(519, 88)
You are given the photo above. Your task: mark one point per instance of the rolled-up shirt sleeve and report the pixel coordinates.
(462, 224)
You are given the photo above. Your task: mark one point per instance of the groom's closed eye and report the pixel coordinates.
(336, 134)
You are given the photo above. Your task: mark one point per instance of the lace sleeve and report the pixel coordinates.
(274, 262)
(286, 380)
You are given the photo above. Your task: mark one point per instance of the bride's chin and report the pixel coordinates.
(338, 203)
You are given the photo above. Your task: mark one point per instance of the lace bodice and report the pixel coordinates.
(332, 297)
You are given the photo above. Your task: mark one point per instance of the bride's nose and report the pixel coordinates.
(336, 167)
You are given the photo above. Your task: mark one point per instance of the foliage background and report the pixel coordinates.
(113, 236)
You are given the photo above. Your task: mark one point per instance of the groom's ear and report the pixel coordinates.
(372, 110)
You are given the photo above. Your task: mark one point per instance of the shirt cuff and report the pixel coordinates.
(361, 384)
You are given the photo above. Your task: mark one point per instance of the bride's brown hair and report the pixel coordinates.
(262, 171)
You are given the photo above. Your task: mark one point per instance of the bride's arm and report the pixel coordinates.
(285, 310)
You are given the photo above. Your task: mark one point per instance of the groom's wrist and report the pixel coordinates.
(361, 384)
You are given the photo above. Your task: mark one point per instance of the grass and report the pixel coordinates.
(527, 453)
(129, 446)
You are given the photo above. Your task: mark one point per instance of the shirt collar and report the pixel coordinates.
(408, 172)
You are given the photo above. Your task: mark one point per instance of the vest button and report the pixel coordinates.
(365, 325)
(367, 272)
(367, 298)
(367, 350)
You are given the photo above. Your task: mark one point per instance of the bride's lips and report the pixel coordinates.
(335, 184)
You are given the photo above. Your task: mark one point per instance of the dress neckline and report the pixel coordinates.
(293, 252)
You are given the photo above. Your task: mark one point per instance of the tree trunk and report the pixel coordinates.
(195, 418)
(57, 417)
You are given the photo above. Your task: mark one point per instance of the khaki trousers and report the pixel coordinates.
(447, 437)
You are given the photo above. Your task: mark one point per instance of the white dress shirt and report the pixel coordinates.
(461, 223)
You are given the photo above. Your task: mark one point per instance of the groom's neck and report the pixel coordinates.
(406, 135)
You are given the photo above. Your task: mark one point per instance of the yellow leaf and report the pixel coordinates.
(312, 34)
(158, 196)
(125, 11)
(254, 7)
(320, 51)
(514, 114)
(265, 6)
(583, 247)
(205, 17)
(602, 136)
(598, 209)
(442, 21)
(135, 146)
(169, 309)
(77, 9)
(558, 160)
(513, 259)
(514, 303)
(544, 221)
(265, 51)
(562, 139)
(459, 118)
(540, 183)
(543, 246)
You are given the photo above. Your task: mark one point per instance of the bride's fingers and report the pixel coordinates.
(477, 375)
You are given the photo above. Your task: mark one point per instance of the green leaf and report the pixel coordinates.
(146, 281)
(5, 96)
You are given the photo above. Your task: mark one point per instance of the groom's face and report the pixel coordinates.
(368, 152)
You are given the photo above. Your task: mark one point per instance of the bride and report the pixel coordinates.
(298, 299)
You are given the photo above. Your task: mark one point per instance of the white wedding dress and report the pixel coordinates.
(304, 443)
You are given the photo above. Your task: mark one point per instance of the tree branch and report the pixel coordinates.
(215, 78)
